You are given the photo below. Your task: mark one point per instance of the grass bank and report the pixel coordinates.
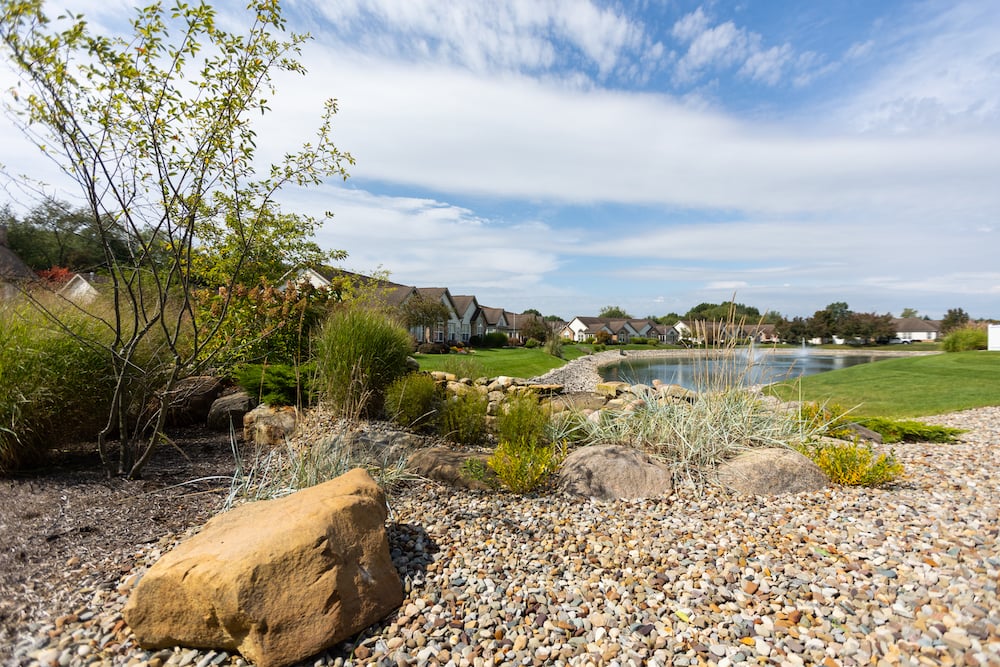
(906, 386)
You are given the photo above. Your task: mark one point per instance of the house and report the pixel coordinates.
(761, 333)
(493, 320)
(445, 330)
(466, 308)
(13, 271)
(341, 281)
(916, 329)
(580, 329)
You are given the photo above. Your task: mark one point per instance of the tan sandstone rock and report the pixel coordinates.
(276, 580)
(771, 471)
(268, 426)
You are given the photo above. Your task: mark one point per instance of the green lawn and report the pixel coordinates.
(514, 361)
(907, 386)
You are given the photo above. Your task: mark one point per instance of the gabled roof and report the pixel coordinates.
(916, 324)
(463, 302)
(493, 316)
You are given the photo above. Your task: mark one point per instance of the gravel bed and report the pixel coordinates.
(906, 575)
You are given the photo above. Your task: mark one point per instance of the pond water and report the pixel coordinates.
(742, 366)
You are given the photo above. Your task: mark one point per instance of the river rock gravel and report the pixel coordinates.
(906, 575)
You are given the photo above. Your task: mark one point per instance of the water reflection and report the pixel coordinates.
(735, 368)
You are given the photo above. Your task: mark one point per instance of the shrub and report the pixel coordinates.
(495, 339)
(905, 430)
(522, 467)
(462, 418)
(554, 346)
(433, 348)
(54, 386)
(854, 463)
(359, 352)
(967, 338)
(532, 343)
(276, 384)
(521, 420)
(411, 401)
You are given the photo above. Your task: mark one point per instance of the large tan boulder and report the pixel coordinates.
(267, 426)
(609, 472)
(771, 471)
(276, 580)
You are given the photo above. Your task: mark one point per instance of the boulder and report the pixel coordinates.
(575, 402)
(610, 472)
(448, 466)
(229, 410)
(268, 426)
(771, 471)
(611, 389)
(191, 399)
(277, 580)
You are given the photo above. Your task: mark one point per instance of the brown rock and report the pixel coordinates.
(612, 471)
(191, 399)
(276, 580)
(771, 471)
(229, 410)
(575, 402)
(448, 466)
(265, 425)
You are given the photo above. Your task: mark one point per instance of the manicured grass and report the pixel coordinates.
(906, 386)
(514, 361)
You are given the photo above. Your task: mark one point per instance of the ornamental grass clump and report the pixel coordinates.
(268, 472)
(54, 385)
(359, 352)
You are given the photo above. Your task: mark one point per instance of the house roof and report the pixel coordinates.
(462, 302)
(492, 315)
(916, 324)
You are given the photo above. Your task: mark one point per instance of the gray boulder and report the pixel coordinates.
(771, 471)
(610, 472)
(228, 411)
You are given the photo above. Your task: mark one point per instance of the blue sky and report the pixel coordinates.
(568, 155)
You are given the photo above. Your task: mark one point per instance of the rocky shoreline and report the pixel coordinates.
(906, 575)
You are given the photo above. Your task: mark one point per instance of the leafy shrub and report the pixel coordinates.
(462, 418)
(433, 348)
(521, 466)
(276, 384)
(263, 323)
(521, 420)
(524, 456)
(893, 430)
(532, 343)
(359, 352)
(411, 401)
(854, 463)
(54, 386)
(639, 340)
(965, 339)
(490, 340)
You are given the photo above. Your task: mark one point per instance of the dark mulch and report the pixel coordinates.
(68, 525)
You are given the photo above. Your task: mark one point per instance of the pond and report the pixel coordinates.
(764, 367)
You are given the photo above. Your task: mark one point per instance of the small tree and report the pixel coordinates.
(420, 311)
(955, 318)
(614, 312)
(156, 131)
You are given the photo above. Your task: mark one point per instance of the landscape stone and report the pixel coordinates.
(611, 472)
(276, 580)
(771, 471)
(191, 399)
(267, 426)
(446, 465)
(229, 410)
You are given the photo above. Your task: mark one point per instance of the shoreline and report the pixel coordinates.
(583, 374)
